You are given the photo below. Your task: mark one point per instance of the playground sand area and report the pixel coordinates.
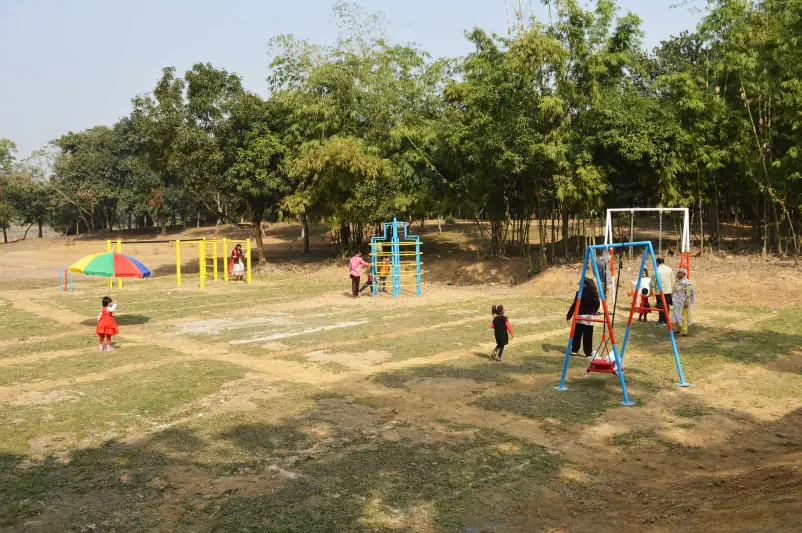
(286, 406)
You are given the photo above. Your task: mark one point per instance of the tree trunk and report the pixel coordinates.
(776, 228)
(701, 219)
(25, 235)
(716, 218)
(40, 223)
(345, 238)
(439, 224)
(765, 224)
(5, 236)
(305, 230)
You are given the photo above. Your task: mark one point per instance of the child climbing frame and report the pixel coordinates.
(404, 253)
(591, 263)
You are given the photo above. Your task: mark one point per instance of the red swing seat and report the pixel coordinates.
(602, 366)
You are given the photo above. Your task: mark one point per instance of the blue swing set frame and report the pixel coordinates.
(590, 261)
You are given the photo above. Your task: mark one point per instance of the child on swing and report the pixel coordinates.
(643, 309)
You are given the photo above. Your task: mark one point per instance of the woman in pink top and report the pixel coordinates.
(355, 264)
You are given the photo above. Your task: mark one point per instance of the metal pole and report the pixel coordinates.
(632, 309)
(248, 260)
(177, 263)
(417, 265)
(202, 257)
(682, 382)
(612, 339)
(573, 321)
(214, 258)
(69, 273)
(119, 251)
(109, 249)
(225, 263)
(660, 242)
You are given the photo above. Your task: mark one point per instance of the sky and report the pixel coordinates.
(68, 65)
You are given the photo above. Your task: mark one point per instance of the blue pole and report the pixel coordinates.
(373, 270)
(70, 281)
(637, 295)
(573, 324)
(396, 261)
(612, 336)
(417, 264)
(682, 382)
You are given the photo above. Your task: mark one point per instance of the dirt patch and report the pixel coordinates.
(351, 360)
(215, 326)
(48, 397)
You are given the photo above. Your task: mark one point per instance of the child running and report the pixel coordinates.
(106, 325)
(502, 330)
(643, 310)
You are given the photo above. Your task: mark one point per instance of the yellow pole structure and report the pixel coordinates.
(119, 251)
(214, 256)
(178, 263)
(248, 259)
(225, 256)
(202, 257)
(108, 249)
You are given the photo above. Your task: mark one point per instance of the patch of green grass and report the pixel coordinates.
(68, 342)
(115, 404)
(20, 325)
(692, 411)
(392, 483)
(78, 365)
(582, 403)
(689, 425)
(633, 438)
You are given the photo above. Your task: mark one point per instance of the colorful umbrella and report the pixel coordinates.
(110, 265)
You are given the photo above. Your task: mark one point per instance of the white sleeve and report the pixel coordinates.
(112, 308)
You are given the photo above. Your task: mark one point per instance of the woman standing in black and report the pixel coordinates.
(588, 307)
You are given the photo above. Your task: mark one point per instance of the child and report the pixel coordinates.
(502, 329)
(643, 310)
(384, 271)
(106, 325)
(367, 284)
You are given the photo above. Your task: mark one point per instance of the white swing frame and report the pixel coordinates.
(685, 247)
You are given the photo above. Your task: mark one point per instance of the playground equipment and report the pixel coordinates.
(603, 365)
(207, 257)
(684, 244)
(64, 280)
(404, 253)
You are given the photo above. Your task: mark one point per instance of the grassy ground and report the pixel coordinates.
(242, 409)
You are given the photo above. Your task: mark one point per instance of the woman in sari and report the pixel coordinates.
(236, 265)
(683, 296)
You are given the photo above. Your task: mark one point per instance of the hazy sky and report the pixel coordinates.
(73, 64)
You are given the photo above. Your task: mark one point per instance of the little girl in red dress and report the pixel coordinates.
(106, 325)
(643, 308)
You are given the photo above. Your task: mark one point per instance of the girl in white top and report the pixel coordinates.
(645, 282)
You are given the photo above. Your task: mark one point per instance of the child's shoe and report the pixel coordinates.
(100, 347)
(109, 348)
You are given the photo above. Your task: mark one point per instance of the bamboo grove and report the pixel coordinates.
(528, 136)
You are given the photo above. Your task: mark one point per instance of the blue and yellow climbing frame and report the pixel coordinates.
(405, 264)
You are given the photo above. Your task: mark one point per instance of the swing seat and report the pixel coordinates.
(602, 366)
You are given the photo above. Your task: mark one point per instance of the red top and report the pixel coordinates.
(507, 323)
(644, 304)
(107, 325)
